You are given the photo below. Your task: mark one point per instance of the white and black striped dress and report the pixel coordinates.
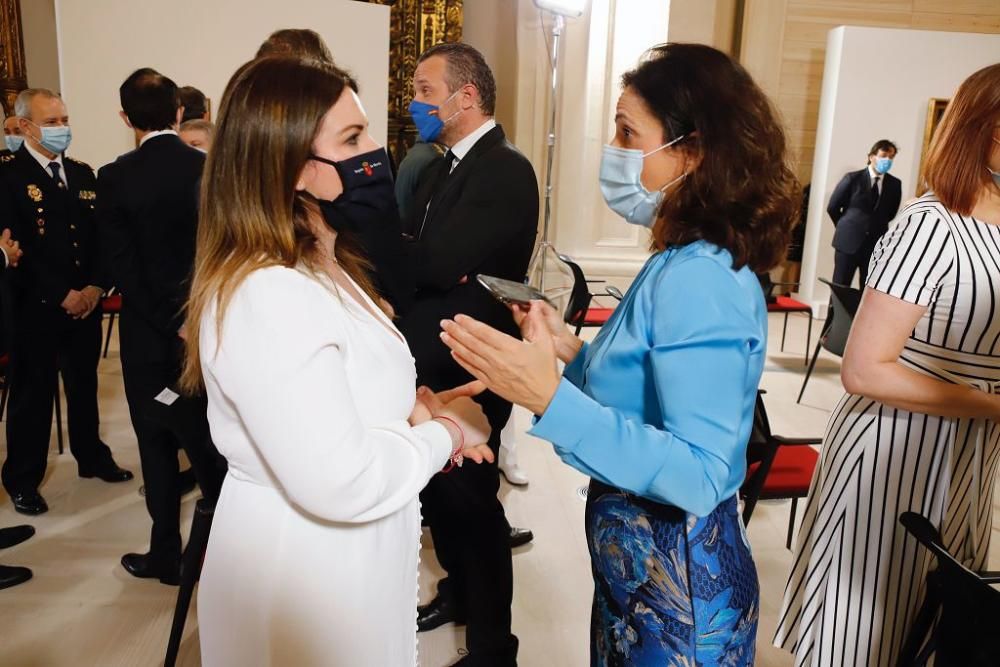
(857, 579)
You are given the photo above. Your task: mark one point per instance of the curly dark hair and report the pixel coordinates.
(742, 196)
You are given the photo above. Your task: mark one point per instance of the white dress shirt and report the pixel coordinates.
(875, 177)
(156, 133)
(44, 161)
(463, 146)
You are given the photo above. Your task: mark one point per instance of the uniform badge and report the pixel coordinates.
(88, 195)
(35, 193)
(6, 158)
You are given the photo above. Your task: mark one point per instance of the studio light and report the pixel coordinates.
(569, 8)
(560, 10)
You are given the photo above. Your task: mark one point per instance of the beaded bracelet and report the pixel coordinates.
(456, 455)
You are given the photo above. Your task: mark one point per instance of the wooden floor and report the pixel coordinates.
(81, 608)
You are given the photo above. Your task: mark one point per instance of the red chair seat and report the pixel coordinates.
(597, 316)
(111, 304)
(791, 472)
(786, 304)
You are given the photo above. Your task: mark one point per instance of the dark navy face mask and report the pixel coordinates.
(368, 189)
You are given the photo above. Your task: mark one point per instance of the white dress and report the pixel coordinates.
(313, 553)
(858, 578)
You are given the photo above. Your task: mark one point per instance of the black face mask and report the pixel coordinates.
(368, 192)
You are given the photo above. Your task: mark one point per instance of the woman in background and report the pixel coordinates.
(919, 427)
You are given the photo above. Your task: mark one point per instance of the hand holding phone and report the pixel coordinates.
(509, 292)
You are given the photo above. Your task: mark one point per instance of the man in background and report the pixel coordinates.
(48, 200)
(11, 136)
(476, 211)
(861, 207)
(148, 219)
(194, 103)
(197, 133)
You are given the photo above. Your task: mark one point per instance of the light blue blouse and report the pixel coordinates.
(661, 403)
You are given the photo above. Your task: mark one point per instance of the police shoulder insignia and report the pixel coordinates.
(79, 162)
(7, 158)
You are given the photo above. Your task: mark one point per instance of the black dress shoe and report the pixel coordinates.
(145, 566)
(109, 472)
(12, 576)
(437, 613)
(29, 502)
(15, 535)
(519, 537)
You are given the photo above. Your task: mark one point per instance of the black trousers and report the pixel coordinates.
(160, 431)
(47, 343)
(846, 264)
(472, 541)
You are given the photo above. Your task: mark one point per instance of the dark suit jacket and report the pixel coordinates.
(148, 220)
(55, 227)
(483, 218)
(859, 222)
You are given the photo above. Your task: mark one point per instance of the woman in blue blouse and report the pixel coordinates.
(658, 409)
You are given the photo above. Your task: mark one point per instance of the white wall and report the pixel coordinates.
(595, 50)
(195, 43)
(876, 84)
(41, 54)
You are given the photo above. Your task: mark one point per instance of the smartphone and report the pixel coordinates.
(510, 292)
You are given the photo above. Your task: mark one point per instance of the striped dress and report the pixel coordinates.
(857, 578)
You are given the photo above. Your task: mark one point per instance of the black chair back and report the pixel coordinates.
(844, 302)
(579, 296)
(965, 633)
(761, 450)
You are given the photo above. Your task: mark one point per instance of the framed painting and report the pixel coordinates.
(935, 111)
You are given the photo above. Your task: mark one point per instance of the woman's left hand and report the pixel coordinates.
(523, 372)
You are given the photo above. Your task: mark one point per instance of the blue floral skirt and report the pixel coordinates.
(670, 588)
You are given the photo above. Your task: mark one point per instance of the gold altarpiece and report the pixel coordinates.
(13, 74)
(414, 26)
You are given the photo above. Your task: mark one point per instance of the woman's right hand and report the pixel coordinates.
(457, 405)
(567, 345)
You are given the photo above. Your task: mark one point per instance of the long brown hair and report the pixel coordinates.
(742, 196)
(251, 215)
(961, 147)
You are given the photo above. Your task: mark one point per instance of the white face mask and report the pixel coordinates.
(621, 184)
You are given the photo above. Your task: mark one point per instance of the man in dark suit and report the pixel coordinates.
(476, 211)
(147, 218)
(48, 199)
(861, 207)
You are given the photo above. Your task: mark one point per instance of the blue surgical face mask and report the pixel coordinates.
(55, 139)
(621, 184)
(429, 125)
(13, 142)
(883, 165)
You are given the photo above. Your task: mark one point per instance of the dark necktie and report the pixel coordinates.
(875, 192)
(439, 182)
(54, 168)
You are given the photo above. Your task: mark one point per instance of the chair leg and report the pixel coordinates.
(784, 330)
(107, 339)
(921, 630)
(809, 332)
(791, 524)
(190, 572)
(57, 399)
(3, 398)
(812, 365)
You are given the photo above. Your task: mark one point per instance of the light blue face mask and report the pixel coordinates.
(621, 184)
(883, 165)
(13, 142)
(55, 139)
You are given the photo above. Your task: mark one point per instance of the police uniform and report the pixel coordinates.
(54, 222)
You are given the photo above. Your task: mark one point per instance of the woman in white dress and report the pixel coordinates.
(313, 554)
(919, 429)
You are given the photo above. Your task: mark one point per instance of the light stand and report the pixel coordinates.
(559, 10)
